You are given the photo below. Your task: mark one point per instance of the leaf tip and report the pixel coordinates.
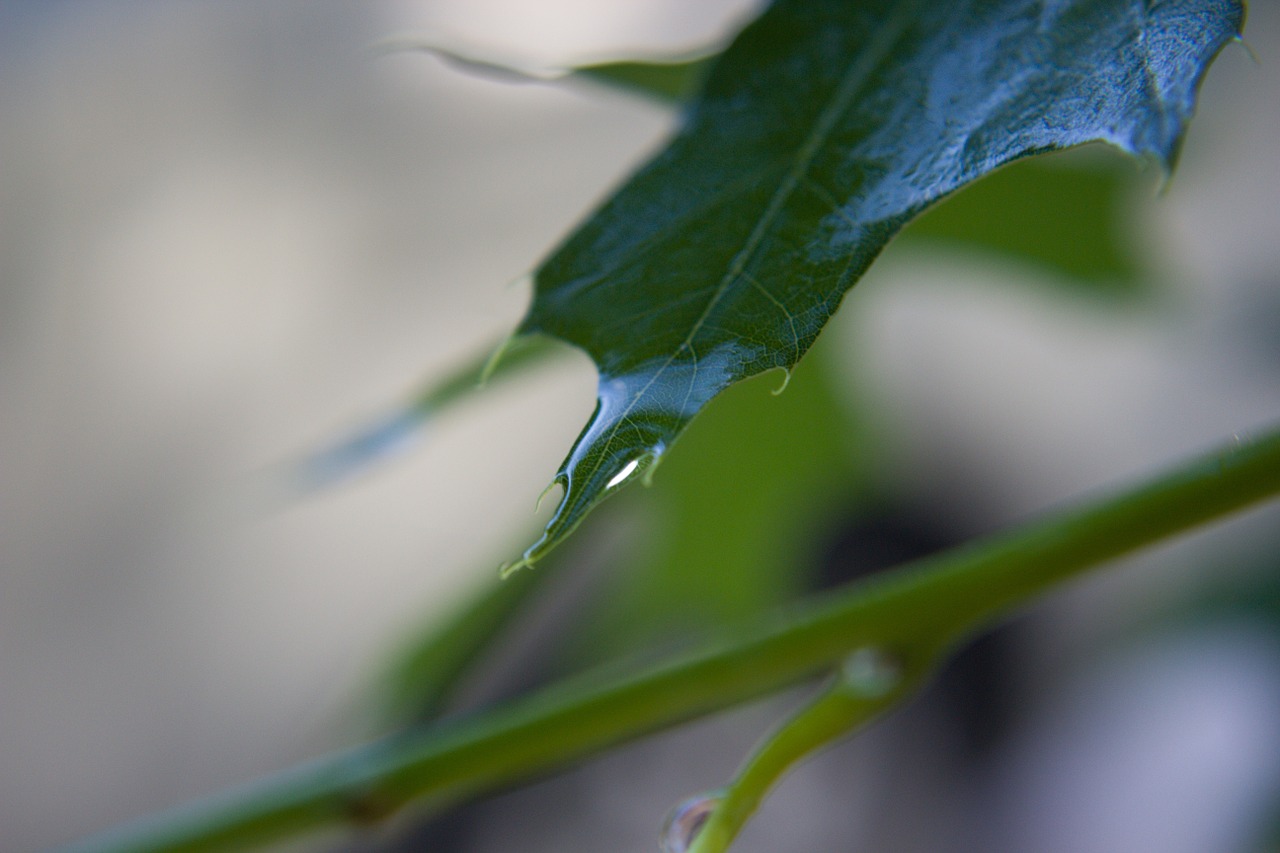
(558, 480)
(491, 365)
(1248, 49)
(786, 380)
(506, 570)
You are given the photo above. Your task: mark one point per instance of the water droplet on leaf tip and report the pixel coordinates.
(871, 672)
(685, 821)
(627, 471)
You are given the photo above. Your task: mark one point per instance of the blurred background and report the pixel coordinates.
(233, 233)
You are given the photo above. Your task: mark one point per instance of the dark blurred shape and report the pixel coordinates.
(975, 691)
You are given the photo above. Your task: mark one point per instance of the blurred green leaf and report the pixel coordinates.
(1066, 218)
(363, 447)
(675, 81)
(426, 675)
(821, 131)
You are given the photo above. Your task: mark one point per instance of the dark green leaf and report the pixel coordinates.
(821, 131)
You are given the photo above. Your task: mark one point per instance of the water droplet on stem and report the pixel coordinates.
(685, 822)
(871, 672)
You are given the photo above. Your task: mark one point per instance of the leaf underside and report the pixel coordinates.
(822, 130)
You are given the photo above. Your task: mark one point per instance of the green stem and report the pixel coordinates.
(847, 704)
(949, 595)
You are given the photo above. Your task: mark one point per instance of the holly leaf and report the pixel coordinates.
(823, 129)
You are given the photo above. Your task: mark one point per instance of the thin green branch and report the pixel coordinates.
(950, 596)
(871, 681)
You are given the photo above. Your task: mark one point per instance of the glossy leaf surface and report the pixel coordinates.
(821, 131)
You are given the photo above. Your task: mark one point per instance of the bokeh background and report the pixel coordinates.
(232, 233)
